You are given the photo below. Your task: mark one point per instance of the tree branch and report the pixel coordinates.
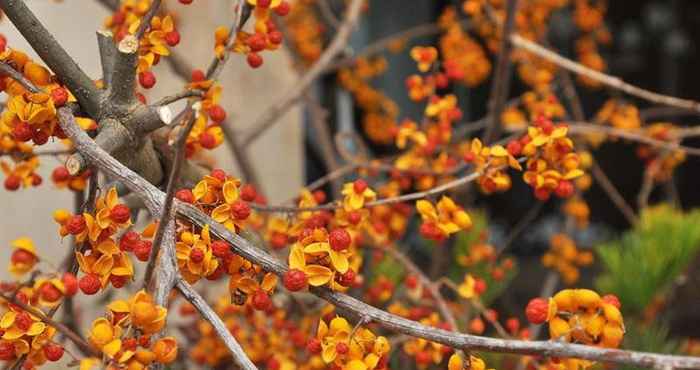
(501, 79)
(610, 81)
(154, 199)
(239, 356)
(53, 54)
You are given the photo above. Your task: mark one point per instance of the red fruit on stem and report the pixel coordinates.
(255, 60)
(185, 195)
(142, 250)
(76, 224)
(294, 280)
(147, 79)
(172, 38)
(70, 283)
(90, 284)
(217, 113)
(240, 210)
(537, 311)
(120, 213)
(339, 239)
(261, 300)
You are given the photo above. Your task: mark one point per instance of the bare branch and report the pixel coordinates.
(154, 199)
(53, 54)
(123, 80)
(270, 116)
(502, 75)
(108, 52)
(239, 356)
(610, 81)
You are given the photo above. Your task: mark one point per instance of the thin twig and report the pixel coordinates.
(189, 93)
(239, 356)
(154, 199)
(173, 178)
(502, 75)
(610, 81)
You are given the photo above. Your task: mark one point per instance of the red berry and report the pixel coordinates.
(50, 293)
(147, 79)
(76, 224)
(185, 195)
(120, 213)
(21, 256)
(339, 239)
(283, 9)
(613, 300)
(319, 196)
(261, 300)
(342, 348)
(142, 250)
(207, 140)
(314, 346)
(218, 174)
(264, 3)
(118, 281)
(480, 286)
(12, 182)
(186, 2)
(542, 194)
(248, 193)
(23, 321)
(221, 249)
(128, 241)
(129, 344)
(514, 148)
(294, 280)
(217, 113)
(354, 217)
(278, 240)
(359, 186)
(70, 282)
(3, 43)
(240, 210)
(275, 37)
(256, 42)
(513, 325)
(7, 350)
(141, 97)
(423, 358)
(197, 255)
(172, 38)
(565, 189)
(254, 60)
(22, 132)
(411, 281)
(36, 179)
(348, 278)
(90, 284)
(198, 75)
(40, 137)
(537, 311)
(469, 157)
(59, 96)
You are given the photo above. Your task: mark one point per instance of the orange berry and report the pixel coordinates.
(359, 186)
(142, 250)
(314, 346)
(197, 255)
(248, 193)
(50, 293)
(21, 256)
(283, 9)
(217, 113)
(172, 38)
(128, 241)
(198, 75)
(7, 350)
(207, 140)
(12, 182)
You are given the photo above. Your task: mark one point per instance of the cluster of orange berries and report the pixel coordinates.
(580, 316)
(100, 257)
(552, 163)
(305, 31)
(124, 337)
(379, 112)
(564, 257)
(156, 42)
(661, 163)
(64, 180)
(464, 59)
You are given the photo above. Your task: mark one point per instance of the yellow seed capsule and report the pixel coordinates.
(587, 299)
(455, 362)
(565, 300)
(612, 336)
(145, 356)
(612, 314)
(165, 350)
(559, 329)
